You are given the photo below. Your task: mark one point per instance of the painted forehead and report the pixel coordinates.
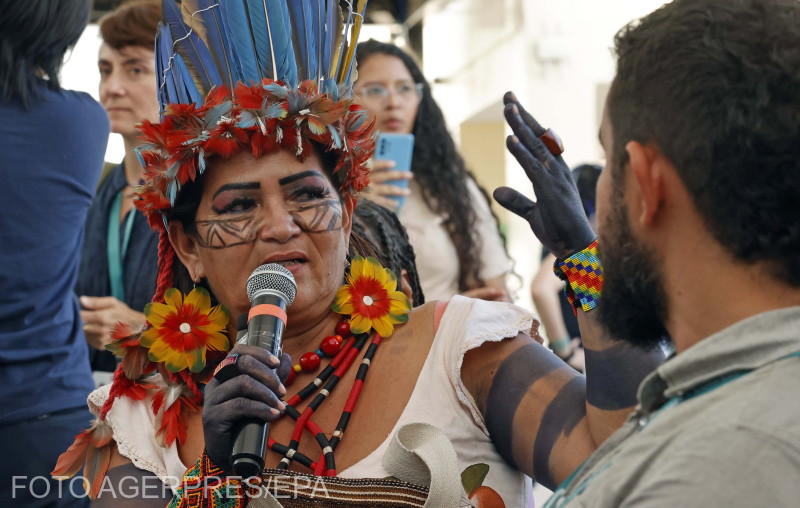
(281, 166)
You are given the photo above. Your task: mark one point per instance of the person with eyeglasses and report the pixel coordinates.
(455, 236)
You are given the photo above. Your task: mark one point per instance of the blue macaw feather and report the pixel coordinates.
(274, 110)
(237, 26)
(305, 20)
(334, 39)
(172, 171)
(322, 50)
(203, 72)
(337, 140)
(258, 21)
(172, 191)
(329, 87)
(289, 60)
(138, 152)
(208, 21)
(167, 92)
(247, 119)
(215, 114)
(355, 32)
(340, 63)
(271, 26)
(187, 91)
(201, 162)
(206, 43)
(357, 119)
(277, 90)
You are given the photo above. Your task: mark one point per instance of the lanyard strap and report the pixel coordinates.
(116, 254)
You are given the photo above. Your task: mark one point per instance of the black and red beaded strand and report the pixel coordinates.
(345, 354)
(303, 420)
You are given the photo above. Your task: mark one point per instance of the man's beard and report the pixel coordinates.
(633, 304)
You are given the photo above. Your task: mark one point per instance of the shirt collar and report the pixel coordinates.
(744, 346)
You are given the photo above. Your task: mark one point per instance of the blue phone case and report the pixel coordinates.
(398, 148)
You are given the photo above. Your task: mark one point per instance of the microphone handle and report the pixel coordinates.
(250, 443)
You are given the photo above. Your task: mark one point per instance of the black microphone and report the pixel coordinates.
(271, 289)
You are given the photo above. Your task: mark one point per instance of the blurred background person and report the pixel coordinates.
(451, 227)
(547, 290)
(51, 151)
(118, 261)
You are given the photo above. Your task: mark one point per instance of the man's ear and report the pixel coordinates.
(647, 192)
(187, 249)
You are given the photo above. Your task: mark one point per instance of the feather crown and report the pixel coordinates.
(255, 75)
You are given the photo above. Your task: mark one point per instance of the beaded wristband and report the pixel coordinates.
(584, 277)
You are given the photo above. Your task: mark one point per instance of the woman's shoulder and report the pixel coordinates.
(453, 327)
(478, 315)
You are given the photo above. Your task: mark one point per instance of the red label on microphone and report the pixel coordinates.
(269, 310)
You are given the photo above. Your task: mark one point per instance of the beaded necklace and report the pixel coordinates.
(328, 380)
(371, 300)
(186, 338)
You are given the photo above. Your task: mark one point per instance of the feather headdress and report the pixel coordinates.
(258, 75)
(233, 75)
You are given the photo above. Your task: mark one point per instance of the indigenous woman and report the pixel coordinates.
(446, 213)
(453, 399)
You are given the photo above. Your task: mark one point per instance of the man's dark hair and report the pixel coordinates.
(715, 84)
(34, 35)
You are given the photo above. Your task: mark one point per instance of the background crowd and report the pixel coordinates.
(78, 256)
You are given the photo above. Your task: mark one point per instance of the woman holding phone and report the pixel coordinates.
(447, 215)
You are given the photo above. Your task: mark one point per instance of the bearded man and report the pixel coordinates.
(699, 237)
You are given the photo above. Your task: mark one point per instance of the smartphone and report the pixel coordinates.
(398, 148)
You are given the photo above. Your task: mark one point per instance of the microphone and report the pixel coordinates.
(271, 289)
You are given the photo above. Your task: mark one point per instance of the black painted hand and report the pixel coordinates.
(254, 393)
(557, 217)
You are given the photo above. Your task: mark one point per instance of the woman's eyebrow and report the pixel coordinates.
(237, 186)
(299, 176)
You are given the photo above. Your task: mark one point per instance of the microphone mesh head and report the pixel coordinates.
(272, 278)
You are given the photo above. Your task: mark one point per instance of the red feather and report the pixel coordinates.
(97, 460)
(72, 460)
(134, 362)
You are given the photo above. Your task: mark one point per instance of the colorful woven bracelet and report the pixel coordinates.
(584, 277)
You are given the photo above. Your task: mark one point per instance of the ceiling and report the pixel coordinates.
(378, 11)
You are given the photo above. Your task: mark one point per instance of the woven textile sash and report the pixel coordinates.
(421, 458)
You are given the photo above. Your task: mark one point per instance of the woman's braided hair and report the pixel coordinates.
(377, 232)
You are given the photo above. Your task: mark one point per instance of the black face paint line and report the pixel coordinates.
(563, 413)
(615, 373)
(518, 372)
(224, 233)
(319, 217)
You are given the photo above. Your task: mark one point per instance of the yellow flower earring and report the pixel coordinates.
(371, 298)
(182, 330)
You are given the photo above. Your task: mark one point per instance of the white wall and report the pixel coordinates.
(80, 73)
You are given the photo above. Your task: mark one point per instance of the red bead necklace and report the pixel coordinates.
(343, 353)
(328, 348)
